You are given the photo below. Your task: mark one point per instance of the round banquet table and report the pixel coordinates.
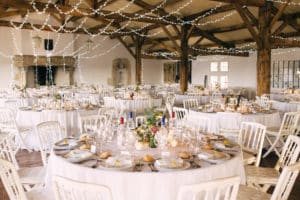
(285, 106)
(128, 185)
(267, 119)
(138, 104)
(201, 99)
(70, 120)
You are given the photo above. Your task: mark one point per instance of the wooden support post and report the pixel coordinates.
(138, 60)
(184, 61)
(264, 51)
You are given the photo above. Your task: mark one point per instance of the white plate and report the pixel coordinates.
(209, 157)
(71, 143)
(78, 155)
(115, 163)
(184, 166)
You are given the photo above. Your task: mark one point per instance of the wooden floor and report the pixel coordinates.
(26, 159)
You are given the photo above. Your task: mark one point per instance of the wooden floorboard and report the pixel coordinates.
(26, 159)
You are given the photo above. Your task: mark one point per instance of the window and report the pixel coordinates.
(224, 66)
(219, 76)
(224, 82)
(214, 66)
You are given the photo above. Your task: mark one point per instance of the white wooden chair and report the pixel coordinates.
(282, 190)
(229, 124)
(219, 189)
(31, 177)
(265, 176)
(13, 105)
(8, 124)
(190, 104)
(13, 186)
(66, 189)
(275, 138)
(251, 140)
(139, 120)
(48, 133)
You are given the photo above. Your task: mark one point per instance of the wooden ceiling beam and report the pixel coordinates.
(11, 13)
(171, 38)
(217, 10)
(258, 3)
(251, 16)
(79, 11)
(280, 28)
(288, 18)
(279, 13)
(126, 46)
(248, 23)
(284, 43)
(198, 41)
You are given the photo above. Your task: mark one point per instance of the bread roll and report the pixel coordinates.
(148, 158)
(184, 155)
(105, 155)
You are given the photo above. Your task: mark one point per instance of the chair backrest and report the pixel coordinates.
(289, 123)
(180, 113)
(11, 181)
(290, 152)
(48, 133)
(286, 182)
(7, 120)
(251, 138)
(190, 103)
(65, 189)
(139, 120)
(13, 105)
(219, 189)
(7, 149)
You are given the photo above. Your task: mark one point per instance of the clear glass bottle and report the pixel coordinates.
(130, 122)
(121, 133)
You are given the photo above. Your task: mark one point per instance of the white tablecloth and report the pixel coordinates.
(269, 120)
(138, 105)
(201, 99)
(70, 120)
(285, 106)
(142, 185)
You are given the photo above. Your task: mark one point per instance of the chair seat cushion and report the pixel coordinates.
(32, 175)
(261, 175)
(251, 194)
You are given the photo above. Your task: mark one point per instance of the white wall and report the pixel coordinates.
(241, 70)
(152, 71)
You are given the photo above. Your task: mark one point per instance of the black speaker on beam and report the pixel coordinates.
(48, 44)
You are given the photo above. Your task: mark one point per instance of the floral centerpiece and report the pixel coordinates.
(146, 132)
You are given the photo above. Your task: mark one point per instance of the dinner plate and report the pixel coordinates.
(116, 163)
(67, 143)
(185, 165)
(211, 156)
(77, 155)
